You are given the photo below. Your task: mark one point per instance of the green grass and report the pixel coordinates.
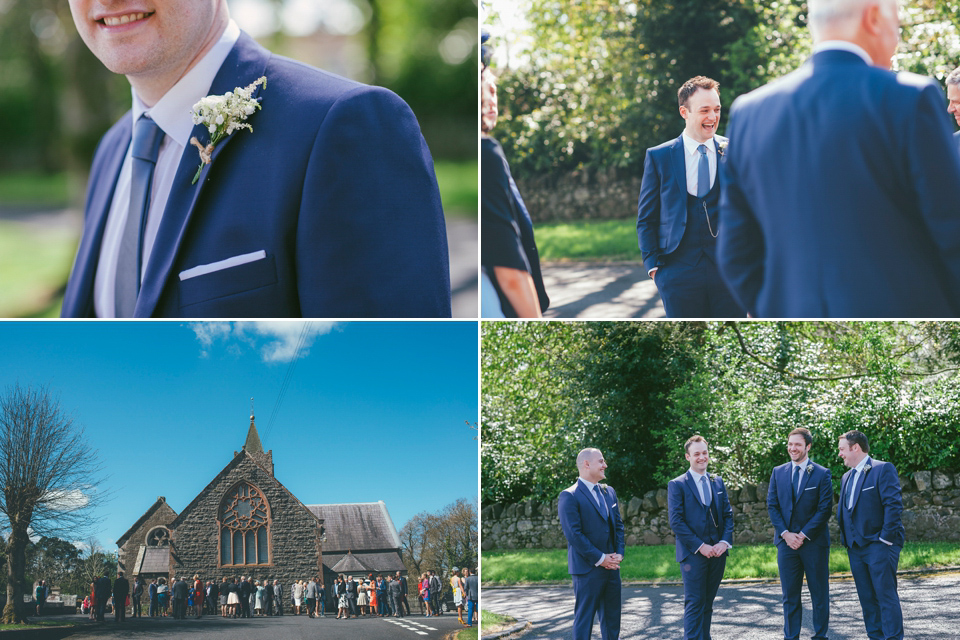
(34, 189)
(34, 265)
(588, 240)
(467, 634)
(492, 622)
(458, 187)
(39, 624)
(658, 564)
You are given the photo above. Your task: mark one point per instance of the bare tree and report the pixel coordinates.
(48, 475)
(441, 541)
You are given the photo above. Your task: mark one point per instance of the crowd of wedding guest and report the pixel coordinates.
(373, 595)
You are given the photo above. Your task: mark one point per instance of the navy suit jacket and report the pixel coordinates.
(877, 504)
(689, 518)
(809, 512)
(335, 184)
(588, 531)
(662, 208)
(839, 195)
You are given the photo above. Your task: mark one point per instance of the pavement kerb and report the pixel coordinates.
(737, 581)
(520, 626)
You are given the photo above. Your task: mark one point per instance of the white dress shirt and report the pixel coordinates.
(172, 115)
(691, 157)
(590, 485)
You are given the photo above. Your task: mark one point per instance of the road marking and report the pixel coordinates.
(403, 625)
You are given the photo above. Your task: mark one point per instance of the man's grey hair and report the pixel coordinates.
(954, 77)
(836, 13)
(584, 454)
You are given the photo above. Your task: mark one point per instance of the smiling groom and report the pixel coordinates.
(328, 208)
(677, 214)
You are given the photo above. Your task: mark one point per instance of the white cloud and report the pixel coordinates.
(66, 500)
(276, 341)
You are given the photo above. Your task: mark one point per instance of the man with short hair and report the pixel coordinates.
(136, 596)
(839, 184)
(799, 501)
(244, 590)
(953, 100)
(179, 593)
(436, 593)
(396, 592)
(310, 593)
(341, 215)
(278, 596)
(702, 521)
(121, 589)
(869, 514)
(352, 596)
(154, 599)
(678, 210)
(402, 579)
(321, 598)
(471, 590)
(591, 522)
(101, 592)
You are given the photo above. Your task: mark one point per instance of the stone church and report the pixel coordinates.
(245, 522)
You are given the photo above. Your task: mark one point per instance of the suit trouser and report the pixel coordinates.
(120, 610)
(812, 560)
(154, 606)
(596, 593)
(137, 608)
(472, 606)
(701, 580)
(101, 607)
(695, 291)
(874, 569)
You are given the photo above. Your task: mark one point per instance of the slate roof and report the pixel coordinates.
(350, 564)
(153, 560)
(358, 526)
(385, 562)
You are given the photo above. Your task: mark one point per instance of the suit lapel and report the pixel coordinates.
(804, 478)
(583, 489)
(857, 489)
(680, 165)
(245, 63)
(78, 299)
(692, 487)
(785, 487)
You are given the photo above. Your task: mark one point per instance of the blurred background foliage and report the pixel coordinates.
(57, 100)
(593, 85)
(638, 390)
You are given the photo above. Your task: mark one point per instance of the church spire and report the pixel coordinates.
(252, 445)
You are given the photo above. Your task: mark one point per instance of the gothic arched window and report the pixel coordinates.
(244, 527)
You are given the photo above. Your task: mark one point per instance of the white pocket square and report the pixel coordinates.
(220, 265)
(614, 504)
(869, 488)
(810, 489)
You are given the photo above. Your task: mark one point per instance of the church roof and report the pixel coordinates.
(161, 502)
(384, 562)
(152, 560)
(349, 564)
(353, 526)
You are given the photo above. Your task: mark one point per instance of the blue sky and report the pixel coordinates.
(167, 403)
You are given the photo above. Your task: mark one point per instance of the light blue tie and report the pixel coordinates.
(147, 137)
(706, 491)
(703, 177)
(602, 503)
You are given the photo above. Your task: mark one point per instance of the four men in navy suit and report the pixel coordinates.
(839, 185)
(677, 214)
(799, 500)
(590, 518)
(702, 521)
(869, 515)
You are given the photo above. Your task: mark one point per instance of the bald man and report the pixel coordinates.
(838, 190)
(590, 517)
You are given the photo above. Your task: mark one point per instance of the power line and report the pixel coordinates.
(288, 376)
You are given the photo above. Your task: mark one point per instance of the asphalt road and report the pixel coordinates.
(600, 290)
(283, 627)
(741, 612)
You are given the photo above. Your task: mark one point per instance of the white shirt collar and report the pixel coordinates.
(588, 484)
(802, 465)
(696, 476)
(690, 145)
(843, 45)
(172, 111)
(863, 463)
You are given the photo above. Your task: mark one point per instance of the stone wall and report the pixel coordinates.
(294, 533)
(582, 195)
(163, 515)
(931, 502)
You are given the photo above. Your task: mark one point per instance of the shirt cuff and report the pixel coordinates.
(600, 561)
(729, 546)
(650, 272)
(889, 544)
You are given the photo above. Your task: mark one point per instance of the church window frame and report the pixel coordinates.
(158, 536)
(244, 528)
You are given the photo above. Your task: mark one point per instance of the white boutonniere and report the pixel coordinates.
(722, 146)
(809, 468)
(867, 467)
(603, 487)
(713, 477)
(222, 115)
